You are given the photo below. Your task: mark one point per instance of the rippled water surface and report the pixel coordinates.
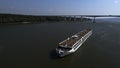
(32, 45)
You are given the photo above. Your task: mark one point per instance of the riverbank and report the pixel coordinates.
(29, 19)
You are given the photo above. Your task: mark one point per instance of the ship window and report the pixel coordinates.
(63, 48)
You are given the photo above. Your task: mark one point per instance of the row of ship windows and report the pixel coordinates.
(80, 41)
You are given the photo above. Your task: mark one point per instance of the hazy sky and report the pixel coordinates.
(58, 7)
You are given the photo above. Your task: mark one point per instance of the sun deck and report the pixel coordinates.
(69, 42)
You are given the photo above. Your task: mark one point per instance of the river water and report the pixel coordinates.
(32, 45)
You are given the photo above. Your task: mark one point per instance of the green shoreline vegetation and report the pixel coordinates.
(27, 19)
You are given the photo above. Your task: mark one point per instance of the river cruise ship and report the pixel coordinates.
(71, 44)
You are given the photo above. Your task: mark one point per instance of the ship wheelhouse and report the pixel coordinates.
(64, 48)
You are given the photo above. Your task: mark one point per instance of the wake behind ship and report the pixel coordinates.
(71, 44)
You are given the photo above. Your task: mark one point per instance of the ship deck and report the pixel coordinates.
(69, 42)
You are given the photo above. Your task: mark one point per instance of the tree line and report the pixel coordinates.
(16, 18)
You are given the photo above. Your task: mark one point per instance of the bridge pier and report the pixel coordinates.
(81, 18)
(65, 18)
(94, 19)
(74, 18)
(70, 18)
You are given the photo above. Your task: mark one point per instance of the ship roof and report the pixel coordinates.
(70, 41)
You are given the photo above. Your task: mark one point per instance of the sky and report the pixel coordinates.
(61, 7)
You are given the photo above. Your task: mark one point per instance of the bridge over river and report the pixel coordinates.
(89, 16)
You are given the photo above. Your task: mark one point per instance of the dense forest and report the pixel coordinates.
(22, 19)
